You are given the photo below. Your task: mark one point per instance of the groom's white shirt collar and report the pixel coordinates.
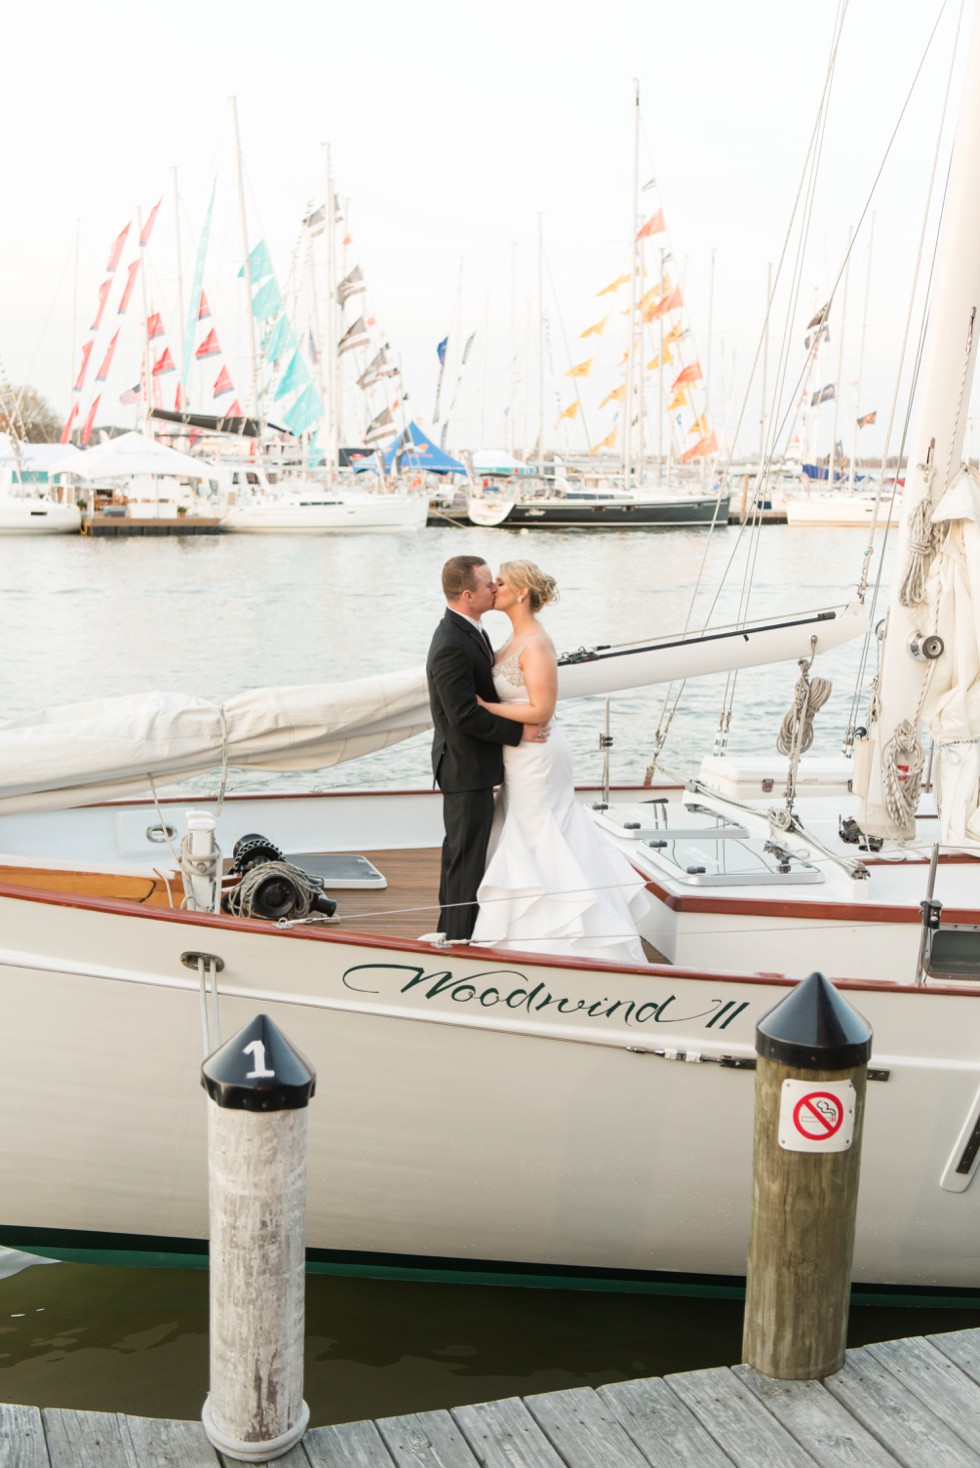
(472, 620)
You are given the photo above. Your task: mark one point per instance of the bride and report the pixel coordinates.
(553, 883)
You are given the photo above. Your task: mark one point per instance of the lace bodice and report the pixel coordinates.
(507, 675)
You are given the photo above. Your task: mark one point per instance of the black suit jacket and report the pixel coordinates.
(467, 744)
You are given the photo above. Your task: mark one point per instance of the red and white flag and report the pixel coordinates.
(104, 290)
(150, 222)
(154, 326)
(103, 371)
(128, 289)
(86, 353)
(87, 429)
(223, 383)
(66, 431)
(209, 346)
(203, 309)
(164, 363)
(117, 249)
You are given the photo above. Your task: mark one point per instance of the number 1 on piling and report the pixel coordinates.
(257, 1050)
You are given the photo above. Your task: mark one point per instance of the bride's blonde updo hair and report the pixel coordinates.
(526, 576)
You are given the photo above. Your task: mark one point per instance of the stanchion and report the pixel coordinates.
(811, 1076)
(260, 1088)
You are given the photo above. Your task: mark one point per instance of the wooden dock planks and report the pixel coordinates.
(913, 1403)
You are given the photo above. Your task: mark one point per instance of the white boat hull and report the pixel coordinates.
(372, 513)
(842, 510)
(33, 515)
(469, 1106)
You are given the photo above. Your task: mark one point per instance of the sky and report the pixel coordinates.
(458, 132)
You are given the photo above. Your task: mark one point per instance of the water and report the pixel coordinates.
(87, 619)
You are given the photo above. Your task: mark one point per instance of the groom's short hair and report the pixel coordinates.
(458, 575)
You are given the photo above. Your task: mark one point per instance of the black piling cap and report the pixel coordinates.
(258, 1070)
(814, 1028)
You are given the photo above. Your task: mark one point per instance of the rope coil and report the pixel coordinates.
(240, 899)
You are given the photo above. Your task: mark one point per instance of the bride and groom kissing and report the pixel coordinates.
(526, 870)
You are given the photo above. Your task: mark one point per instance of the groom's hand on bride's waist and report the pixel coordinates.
(536, 732)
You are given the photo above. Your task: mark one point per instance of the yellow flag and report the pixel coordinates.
(656, 360)
(616, 396)
(614, 285)
(699, 426)
(673, 335)
(609, 442)
(596, 330)
(582, 370)
(679, 400)
(570, 412)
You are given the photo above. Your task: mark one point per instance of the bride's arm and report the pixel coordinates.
(540, 668)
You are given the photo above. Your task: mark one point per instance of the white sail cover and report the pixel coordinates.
(111, 748)
(952, 701)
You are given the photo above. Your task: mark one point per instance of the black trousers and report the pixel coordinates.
(467, 816)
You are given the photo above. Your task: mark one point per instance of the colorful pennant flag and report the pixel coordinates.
(151, 220)
(674, 334)
(654, 225)
(820, 317)
(295, 376)
(154, 326)
(597, 329)
(353, 284)
(671, 302)
(441, 350)
(132, 395)
(86, 353)
(87, 429)
(259, 264)
(609, 442)
(116, 252)
(66, 431)
(823, 395)
(128, 288)
(281, 339)
(267, 301)
(104, 290)
(209, 347)
(306, 411)
(582, 370)
(704, 446)
(381, 427)
(356, 335)
(613, 286)
(666, 360)
(679, 400)
(164, 363)
(180, 401)
(203, 309)
(689, 374)
(699, 426)
(103, 371)
(616, 396)
(195, 301)
(570, 412)
(235, 411)
(223, 383)
(868, 419)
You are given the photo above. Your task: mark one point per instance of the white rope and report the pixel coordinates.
(240, 899)
(902, 760)
(796, 731)
(924, 538)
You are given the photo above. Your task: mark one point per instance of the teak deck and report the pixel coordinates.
(911, 1402)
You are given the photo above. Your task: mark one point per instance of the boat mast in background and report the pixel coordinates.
(331, 375)
(253, 355)
(634, 252)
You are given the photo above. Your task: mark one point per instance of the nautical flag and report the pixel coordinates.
(616, 396)
(281, 339)
(267, 300)
(441, 350)
(466, 350)
(132, 395)
(353, 284)
(128, 288)
(820, 317)
(223, 383)
(179, 400)
(295, 376)
(87, 429)
(356, 335)
(689, 374)
(674, 334)
(203, 309)
(699, 426)
(103, 371)
(104, 290)
(823, 395)
(151, 220)
(612, 287)
(822, 334)
(704, 446)
(117, 249)
(380, 427)
(259, 264)
(609, 442)
(347, 239)
(316, 220)
(154, 326)
(679, 400)
(306, 411)
(378, 367)
(597, 329)
(209, 347)
(667, 361)
(868, 419)
(235, 411)
(164, 363)
(66, 431)
(670, 302)
(195, 302)
(86, 353)
(570, 412)
(581, 370)
(654, 225)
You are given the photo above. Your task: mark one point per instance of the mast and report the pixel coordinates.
(934, 453)
(540, 346)
(660, 385)
(630, 348)
(840, 363)
(145, 425)
(512, 376)
(330, 321)
(707, 360)
(864, 333)
(253, 355)
(180, 272)
(763, 415)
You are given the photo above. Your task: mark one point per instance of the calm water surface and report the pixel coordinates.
(86, 619)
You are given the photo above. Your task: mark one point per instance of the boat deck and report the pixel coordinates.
(913, 1402)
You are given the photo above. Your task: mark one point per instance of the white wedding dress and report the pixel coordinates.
(553, 883)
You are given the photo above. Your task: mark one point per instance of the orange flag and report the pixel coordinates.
(679, 400)
(703, 447)
(674, 335)
(614, 285)
(582, 370)
(596, 330)
(699, 426)
(655, 361)
(570, 412)
(654, 225)
(609, 442)
(669, 303)
(689, 374)
(616, 396)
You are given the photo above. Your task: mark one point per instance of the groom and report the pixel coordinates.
(467, 758)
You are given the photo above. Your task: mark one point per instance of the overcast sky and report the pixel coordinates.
(452, 127)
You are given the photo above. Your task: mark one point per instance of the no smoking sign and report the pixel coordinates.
(816, 1116)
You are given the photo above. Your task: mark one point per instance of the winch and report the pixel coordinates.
(270, 886)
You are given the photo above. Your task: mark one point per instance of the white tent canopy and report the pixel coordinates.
(34, 457)
(129, 455)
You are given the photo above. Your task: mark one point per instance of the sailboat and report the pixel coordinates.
(515, 1114)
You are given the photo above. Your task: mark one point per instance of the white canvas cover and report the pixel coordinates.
(128, 455)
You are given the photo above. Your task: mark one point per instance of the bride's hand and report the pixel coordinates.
(482, 702)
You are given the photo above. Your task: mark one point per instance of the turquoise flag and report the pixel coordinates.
(281, 339)
(194, 306)
(306, 411)
(296, 375)
(259, 264)
(267, 301)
